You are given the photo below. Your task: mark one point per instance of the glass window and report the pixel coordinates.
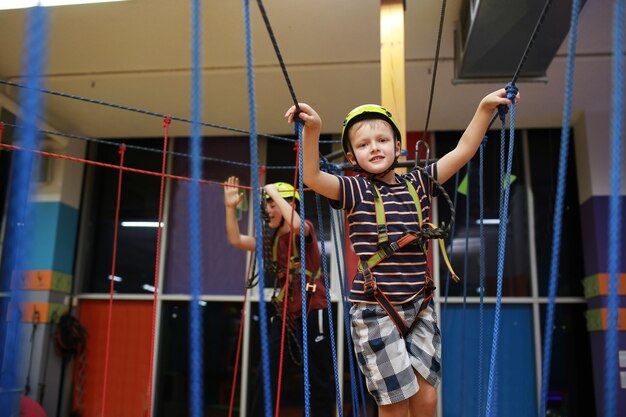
(464, 246)
(136, 246)
(5, 169)
(221, 322)
(544, 147)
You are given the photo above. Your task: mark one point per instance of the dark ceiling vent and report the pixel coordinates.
(493, 34)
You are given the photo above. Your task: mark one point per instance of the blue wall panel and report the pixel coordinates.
(515, 383)
(54, 240)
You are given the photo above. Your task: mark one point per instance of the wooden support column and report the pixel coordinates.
(392, 80)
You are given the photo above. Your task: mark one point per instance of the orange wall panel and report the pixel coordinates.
(129, 357)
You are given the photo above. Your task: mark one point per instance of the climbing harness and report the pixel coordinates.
(295, 265)
(386, 249)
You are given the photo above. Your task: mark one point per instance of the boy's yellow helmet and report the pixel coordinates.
(366, 111)
(285, 190)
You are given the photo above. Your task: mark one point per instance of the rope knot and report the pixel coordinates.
(511, 91)
(296, 147)
(122, 149)
(329, 167)
(167, 121)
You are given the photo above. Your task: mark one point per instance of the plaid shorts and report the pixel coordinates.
(386, 359)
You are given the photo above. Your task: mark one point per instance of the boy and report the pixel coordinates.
(280, 211)
(402, 366)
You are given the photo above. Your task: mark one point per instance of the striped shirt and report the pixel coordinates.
(402, 275)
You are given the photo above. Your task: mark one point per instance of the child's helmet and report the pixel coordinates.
(285, 190)
(366, 111)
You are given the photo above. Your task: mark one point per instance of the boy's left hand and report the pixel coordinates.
(498, 97)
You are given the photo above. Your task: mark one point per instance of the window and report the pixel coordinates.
(139, 201)
(464, 246)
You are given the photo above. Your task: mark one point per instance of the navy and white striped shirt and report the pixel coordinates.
(402, 275)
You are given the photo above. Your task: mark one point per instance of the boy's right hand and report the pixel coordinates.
(232, 196)
(309, 116)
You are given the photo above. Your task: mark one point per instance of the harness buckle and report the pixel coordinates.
(429, 288)
(369, 288)
(311, 287)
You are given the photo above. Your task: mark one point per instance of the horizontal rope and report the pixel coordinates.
(117, 167)
(147, 149)
(151, 113)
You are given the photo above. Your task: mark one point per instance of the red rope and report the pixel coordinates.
(122, 150)
(282, 336)
(166, 127)
(1, 129)
(239, 340)
(116, 167)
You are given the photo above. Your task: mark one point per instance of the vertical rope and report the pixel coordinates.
(286, 293)
(196, 390)
(331, 325)
(240, 338)
(254, 160)
(346, 317)
(19, 216)
(558, 210)
(451, 252)
(107, 349)
(166, 126)
(305, 343)
(465, 274)
(504, 207)
(615, 213)
(481, 323)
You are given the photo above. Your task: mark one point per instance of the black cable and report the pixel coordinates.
(432, 85)
(278, 54)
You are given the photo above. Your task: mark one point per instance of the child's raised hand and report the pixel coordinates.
(232, 196)
(493, 100)
(309, 116)
(271, 190)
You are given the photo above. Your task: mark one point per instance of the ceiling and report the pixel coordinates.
(138, 54)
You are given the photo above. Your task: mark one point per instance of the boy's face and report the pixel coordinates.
(274, 214)
(373, 144)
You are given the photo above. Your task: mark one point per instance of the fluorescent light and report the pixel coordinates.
(489, 221)
(148, 287)
(141, 224)
(115, 278)
(202, 303)
(22, 4)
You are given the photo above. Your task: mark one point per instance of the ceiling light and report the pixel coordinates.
(141, 224)
(22, 4)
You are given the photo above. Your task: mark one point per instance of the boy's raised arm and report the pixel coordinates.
(232, 198)
(454, 160)
(321, 182)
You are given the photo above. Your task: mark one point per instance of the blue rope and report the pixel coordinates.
(615, 213)
(346, 318)
(196, 391)
(254, 158)
(305, 343)
(448, 274)
(558, 210)
(331, 326)
(504, 207)
(19, 213)
(481, 275)
(465, 274)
